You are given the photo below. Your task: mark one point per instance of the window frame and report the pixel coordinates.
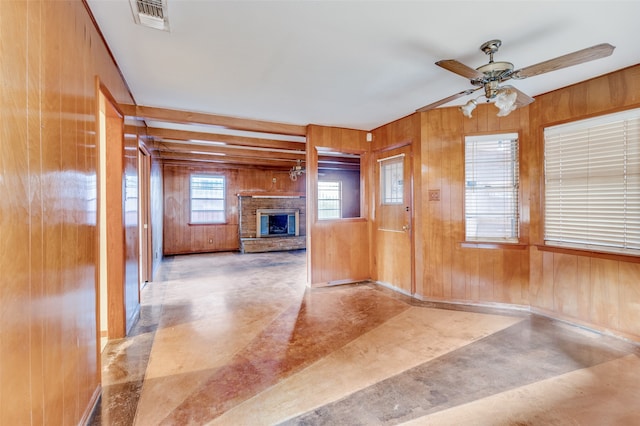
(514, 215)
(390, 194)
(592, 243)
(224, 199)
(339, 199)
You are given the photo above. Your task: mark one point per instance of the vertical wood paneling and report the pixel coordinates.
(536, 278)
(48, 358)
(565, 288)
(180, 237)
(36, 267)
(452, 272)
(546, 295)
(337, 250)
(583, 284)
(629, 296)
(15, 226)
(590, 290)
(604, 292)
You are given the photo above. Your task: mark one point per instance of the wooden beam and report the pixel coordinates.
(190, 117)
(228, 139)
(228, 160)
(228, 151)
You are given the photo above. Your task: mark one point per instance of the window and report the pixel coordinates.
(207, 199)
(592, 183)
(491, 188)
(329, 200)
(392, 179)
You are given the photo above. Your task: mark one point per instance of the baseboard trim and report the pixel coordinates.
(90, 412)
(627, 337)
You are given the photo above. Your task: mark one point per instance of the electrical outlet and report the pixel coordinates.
(273, 180)
(210, 240)
(434, 195)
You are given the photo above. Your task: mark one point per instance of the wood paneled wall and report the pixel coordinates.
(180, 237)
(582, 287)
(453, 271)
(579, 286)
(396, 264)
(51, 54)
(337, 250)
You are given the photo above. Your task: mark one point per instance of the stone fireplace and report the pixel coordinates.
(272, 222)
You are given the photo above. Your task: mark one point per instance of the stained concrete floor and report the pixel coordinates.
(237, 339)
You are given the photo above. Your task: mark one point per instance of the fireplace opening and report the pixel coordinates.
(277, 223)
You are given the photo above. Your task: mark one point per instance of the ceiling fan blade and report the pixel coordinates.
(585, 55)
(460, 69)
(448, 99)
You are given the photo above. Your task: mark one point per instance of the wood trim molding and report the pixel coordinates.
(229, 151)
(190, 117)
(588, 253)
(227, 139)
(91, 409)
(480, 245)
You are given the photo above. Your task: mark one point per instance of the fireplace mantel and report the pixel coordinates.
(271, 194)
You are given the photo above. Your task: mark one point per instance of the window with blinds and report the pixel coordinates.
(491, 188)
(207, 199)
(592, 183)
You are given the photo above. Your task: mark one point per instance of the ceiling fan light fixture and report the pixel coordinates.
(468, 108)
(505, 101)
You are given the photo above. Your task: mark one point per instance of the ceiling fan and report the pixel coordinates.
(490, 76)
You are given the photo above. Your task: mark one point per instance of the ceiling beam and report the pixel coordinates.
(283, 165)
(189, 117)
(229, 151)
(228, 139)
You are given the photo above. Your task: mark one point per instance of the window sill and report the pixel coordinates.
(589, 253)
(490, 245)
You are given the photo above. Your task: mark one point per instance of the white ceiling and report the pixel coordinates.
(354, 64)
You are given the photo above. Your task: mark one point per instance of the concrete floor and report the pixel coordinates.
(237, 339)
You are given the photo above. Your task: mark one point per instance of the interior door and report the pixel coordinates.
(393, 219)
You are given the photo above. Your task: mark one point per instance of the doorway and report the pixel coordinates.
(111, 274)
(393, 219)
(146, 258)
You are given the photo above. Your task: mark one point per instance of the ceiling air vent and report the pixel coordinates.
(150, 13)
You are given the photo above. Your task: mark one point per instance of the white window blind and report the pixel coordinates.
(592, 183)
(491, 188)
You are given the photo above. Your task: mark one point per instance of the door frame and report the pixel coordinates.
(409, 189)
(144, 222)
